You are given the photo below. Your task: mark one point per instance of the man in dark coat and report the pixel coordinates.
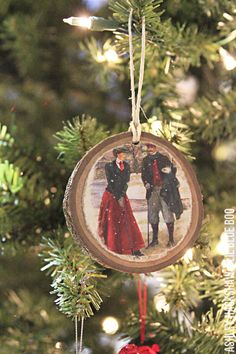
(158, 175)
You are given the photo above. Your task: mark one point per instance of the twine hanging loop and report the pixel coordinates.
(135, 125)
(79, 345)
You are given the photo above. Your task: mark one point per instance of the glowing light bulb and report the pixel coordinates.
(110, 325)
(223, 237)
(100, 58)
(58, 345)
(225, 151)
(222, 248)
(228, 60)
(44, 314)
(222, 152)
(93, 23)
(111, 56)
(156, 125)
(188, 256)
(228, 16)
(160, 303)
(84, 22)
(47, 201)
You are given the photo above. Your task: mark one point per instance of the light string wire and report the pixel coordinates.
(79, 346)
(135, 126)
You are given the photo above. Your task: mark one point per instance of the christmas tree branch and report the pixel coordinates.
(74, 278)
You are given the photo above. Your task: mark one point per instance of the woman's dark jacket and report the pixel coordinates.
(117, 180)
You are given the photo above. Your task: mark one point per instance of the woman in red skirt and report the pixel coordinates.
(116, 223)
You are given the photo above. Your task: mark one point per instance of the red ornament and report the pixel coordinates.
(129, 349)
(134, 349)
(156, 348)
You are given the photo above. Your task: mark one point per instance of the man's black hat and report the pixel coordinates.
(118, 150)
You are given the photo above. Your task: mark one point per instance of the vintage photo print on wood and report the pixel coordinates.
(134, 208)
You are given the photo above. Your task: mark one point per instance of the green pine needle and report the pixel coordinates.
(77, 137)
(74, 278)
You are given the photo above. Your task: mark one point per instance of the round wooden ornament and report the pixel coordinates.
(134, 208)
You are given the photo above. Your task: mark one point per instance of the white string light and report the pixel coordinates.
(156, 125)
(160, 303)
(228, 60)
(58, 345)
(110, 325)
(188, 256)
(111, 56)
(222, 247)
(93, 23)
(84, 22)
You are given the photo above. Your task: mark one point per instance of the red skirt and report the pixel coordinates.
(117, 226)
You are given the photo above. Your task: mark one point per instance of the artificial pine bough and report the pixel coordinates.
(74, 278)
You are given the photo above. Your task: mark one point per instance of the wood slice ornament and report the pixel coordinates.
(134, 208)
